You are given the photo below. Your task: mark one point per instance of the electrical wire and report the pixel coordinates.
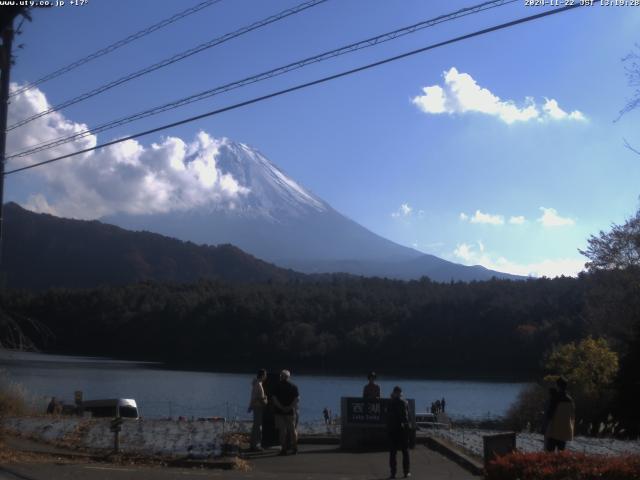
(370, 42)
(171, 60)
(305, 85)
(114, 46)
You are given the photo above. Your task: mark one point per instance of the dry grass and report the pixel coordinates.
(11, 456)
(14, 400)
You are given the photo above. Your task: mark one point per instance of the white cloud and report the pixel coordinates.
(38, 203)
(461, 93)
(470, 255)
(517, 220)
(488, 218)
(464, 251)
(480, 217)
(552, 109)
(127, 177)
(551, 218)
(404, 211)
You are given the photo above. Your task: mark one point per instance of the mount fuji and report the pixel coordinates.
(278, 220)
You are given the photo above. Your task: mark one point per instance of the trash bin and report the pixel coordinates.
(498, 444)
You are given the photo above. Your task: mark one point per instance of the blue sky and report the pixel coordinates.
(462, 170)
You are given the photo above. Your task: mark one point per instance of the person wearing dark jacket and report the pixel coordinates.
(398, 428)
(371, 390)
(285, 400)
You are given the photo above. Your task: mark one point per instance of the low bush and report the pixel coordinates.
(13, 398)
(563, 466)
(527, 412)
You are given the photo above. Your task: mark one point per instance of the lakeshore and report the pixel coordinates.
(164, 393)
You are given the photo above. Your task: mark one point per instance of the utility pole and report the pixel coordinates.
(5, 69)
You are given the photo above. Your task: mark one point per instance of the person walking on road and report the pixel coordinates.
(257, 404)
(371, 390)
(285, 400)
(398, 428)
(559, 418)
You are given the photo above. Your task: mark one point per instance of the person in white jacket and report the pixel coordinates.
(257, 403)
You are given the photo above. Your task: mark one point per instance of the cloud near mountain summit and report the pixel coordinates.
(127, 177)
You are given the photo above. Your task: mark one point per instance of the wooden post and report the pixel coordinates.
(5, 69)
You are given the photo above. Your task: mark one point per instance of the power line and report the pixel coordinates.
(175, 58)
(118, 44)
(265, 75)
(305, 85)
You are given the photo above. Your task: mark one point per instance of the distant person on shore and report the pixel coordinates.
(437, 406)
(326, 415)
(433, 407)
(559, 418)
(285, 400)
(398, 428)
(442, 404)
(371, 390)
(257, 403)
(53, 407)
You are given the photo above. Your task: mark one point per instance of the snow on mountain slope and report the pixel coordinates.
(279, 220)
(271, 192)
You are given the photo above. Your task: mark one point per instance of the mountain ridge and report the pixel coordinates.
(44, 251)
(276, 219)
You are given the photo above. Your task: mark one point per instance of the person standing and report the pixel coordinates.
(53, 406)
(559, 418)
(371, 390)
(398, 429)
(442, 404)
(326, 415)
(257, 403)
(285, 400)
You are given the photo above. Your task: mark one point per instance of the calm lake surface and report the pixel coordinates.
(164, 393)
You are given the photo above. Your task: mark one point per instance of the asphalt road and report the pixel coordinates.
(314, 462)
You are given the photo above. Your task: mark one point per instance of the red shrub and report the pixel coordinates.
(563, 466)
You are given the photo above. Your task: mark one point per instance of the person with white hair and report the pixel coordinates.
(285, 400)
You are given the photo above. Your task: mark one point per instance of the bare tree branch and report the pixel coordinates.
(628, 145)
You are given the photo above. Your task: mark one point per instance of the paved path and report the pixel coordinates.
(314, 462)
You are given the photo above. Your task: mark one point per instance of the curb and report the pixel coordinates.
(210, 464)
(69, 455)
(467, 462)
(223, 463)
(319, 440)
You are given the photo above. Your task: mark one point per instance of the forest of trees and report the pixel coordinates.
(498, 328)
(492, 329)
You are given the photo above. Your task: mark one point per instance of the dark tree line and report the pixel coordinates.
(498, 328)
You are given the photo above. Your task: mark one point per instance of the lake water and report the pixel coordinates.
(164, 393)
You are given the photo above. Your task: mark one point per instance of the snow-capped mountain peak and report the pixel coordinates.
(270, 191)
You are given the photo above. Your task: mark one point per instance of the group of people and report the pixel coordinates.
(438, 406)
(284, 399)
